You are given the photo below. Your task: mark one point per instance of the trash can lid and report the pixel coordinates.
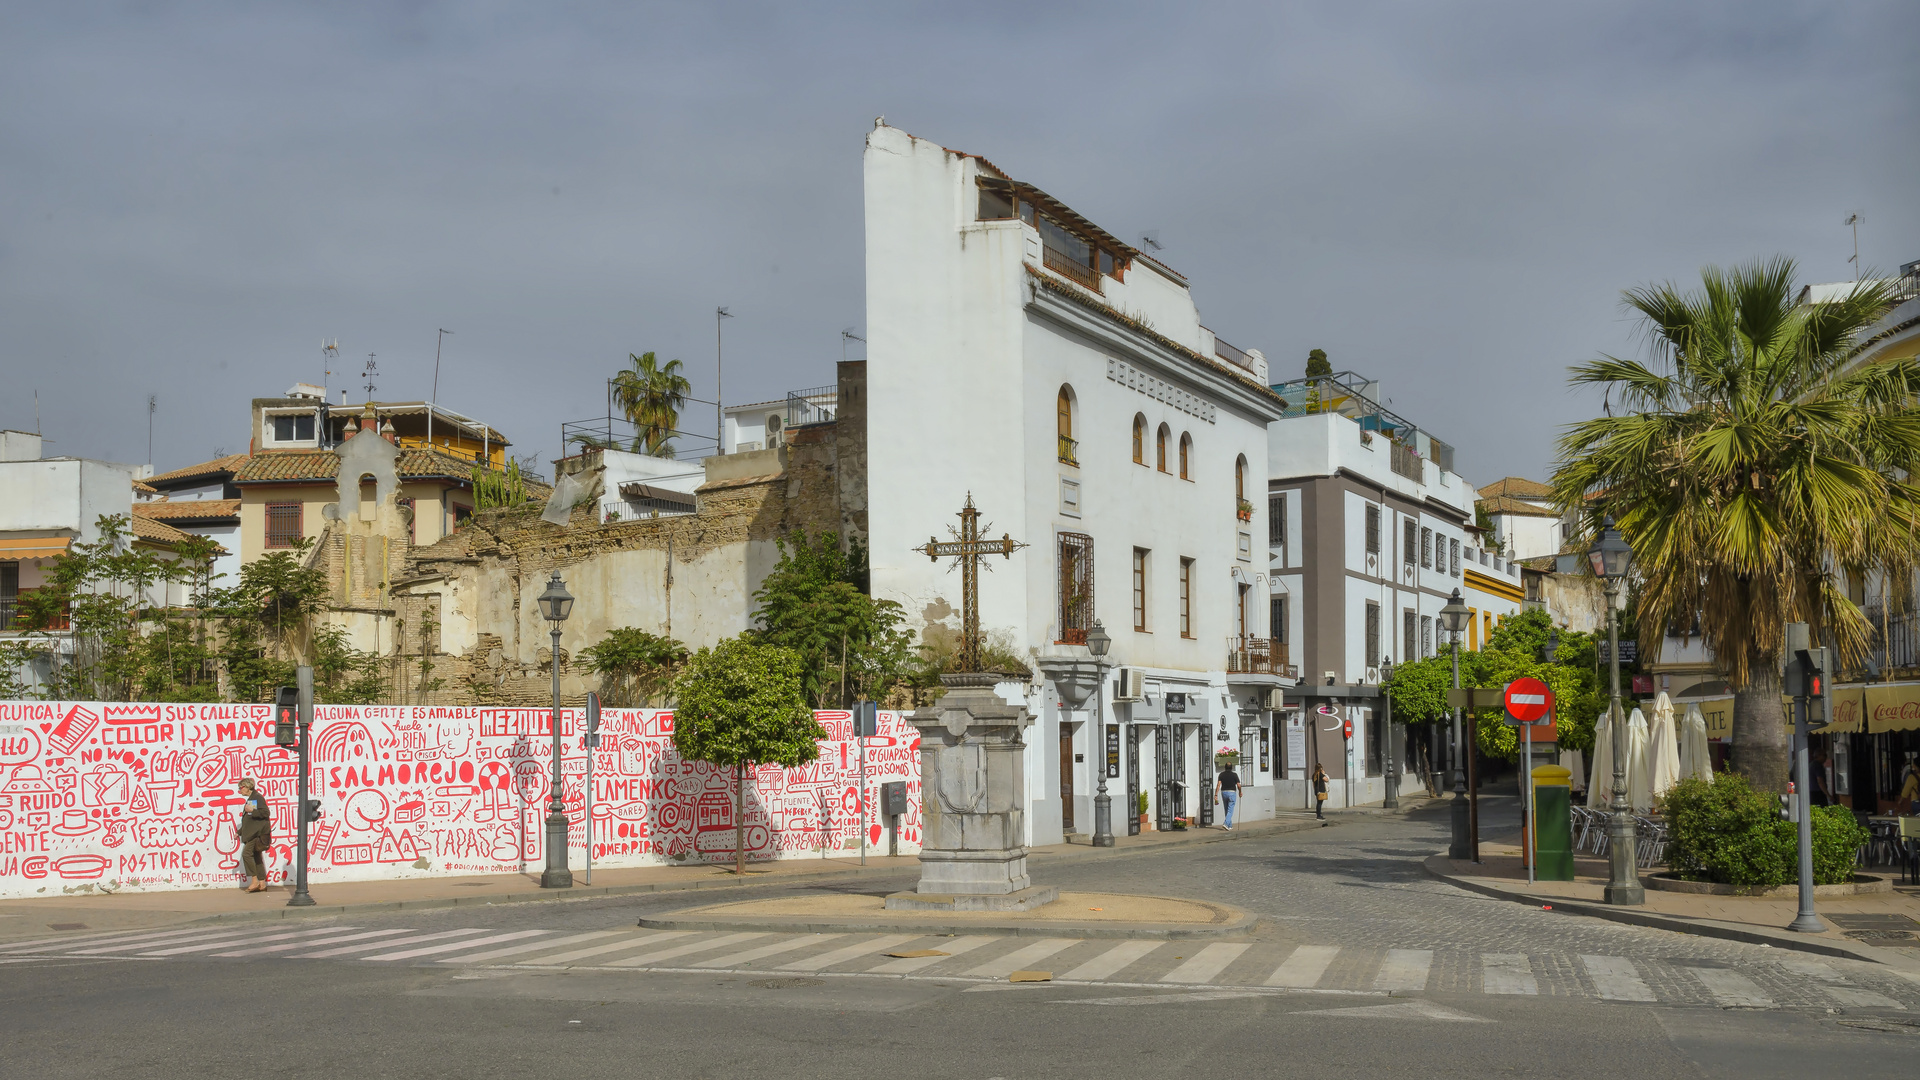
(1552, 776)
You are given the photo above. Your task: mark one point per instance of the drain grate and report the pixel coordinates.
(1895, 938)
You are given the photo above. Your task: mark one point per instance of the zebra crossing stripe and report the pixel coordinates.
(635, 941)
(681, 950)
(1732, 988)
(1404, 969)
(775, 949)
(1507, 973)
(1112, 961)
(515, 950)
(172, 939)
(1206, 963)
(1006, 965)
(1837, 988)
(308, 944)
(455, 946)
(849, 952)
(952, 948)
(1615, 978)
(350, 949)
(202, 946)
(1304, 967)
(64, 940)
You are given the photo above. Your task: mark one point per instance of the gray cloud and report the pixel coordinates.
(1447, 197)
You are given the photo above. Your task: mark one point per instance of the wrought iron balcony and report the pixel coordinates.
(1258, 656)
(1069, 450)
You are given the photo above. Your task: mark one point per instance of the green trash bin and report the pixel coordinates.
(1552, 805)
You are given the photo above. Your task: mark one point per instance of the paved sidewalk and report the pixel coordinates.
(136, 910)
(1759, 920)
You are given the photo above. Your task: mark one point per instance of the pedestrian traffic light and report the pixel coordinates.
(593, 721)
(286, 714)
(1819, 695)
(866, 719)
(313, 810)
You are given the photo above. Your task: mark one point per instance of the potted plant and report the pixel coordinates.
(1244, 510)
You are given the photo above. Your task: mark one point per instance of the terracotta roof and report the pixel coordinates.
(157, 531)
(141, 487)
(216, 467)
(416, 463)
(1507, 504)
(1518, 487)
(188, 509)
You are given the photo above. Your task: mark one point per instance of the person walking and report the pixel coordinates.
(256, 833)
(1227, 792)
(1320, 792)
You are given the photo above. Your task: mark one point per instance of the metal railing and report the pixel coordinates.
(815, 406)
(1061, 263)
(1405, 461)
(1896, 638)
(1258, 656)
(1069, 450)
(1237, 357)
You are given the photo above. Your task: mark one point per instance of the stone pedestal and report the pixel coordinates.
(973, 854)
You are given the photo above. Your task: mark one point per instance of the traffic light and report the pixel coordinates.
(866, 719)
(593, 721)
(1819, 693)
(313, 810)
(286, 714)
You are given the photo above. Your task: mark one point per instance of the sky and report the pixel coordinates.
(1446, 197)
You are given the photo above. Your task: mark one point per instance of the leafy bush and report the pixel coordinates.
(634, 665)
(1727, 832)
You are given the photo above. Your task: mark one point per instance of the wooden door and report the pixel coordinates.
(1066, 777)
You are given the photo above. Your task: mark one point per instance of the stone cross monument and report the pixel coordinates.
(973, 854)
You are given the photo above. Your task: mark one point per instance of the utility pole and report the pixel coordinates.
(436, 383)
(719, 384)
(153, 403)
(1853, 222)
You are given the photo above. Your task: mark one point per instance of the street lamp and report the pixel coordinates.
(1453, 619)
(1097, 643)
(1611, 559)
(556, 603)
(1392, 801)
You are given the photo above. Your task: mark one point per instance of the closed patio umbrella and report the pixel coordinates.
(1663, 751)
(1600, 777)
(1639, 768)
(1693, 746)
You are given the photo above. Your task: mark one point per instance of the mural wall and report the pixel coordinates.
(115, 796)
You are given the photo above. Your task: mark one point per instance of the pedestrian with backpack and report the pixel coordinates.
(1320, 792)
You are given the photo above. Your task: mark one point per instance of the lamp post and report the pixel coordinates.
(1098, 642)
(1392, 800)
(1611, 559)
(556, 603)
(1453, 619)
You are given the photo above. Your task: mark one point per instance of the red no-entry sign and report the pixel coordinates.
(1528, 701)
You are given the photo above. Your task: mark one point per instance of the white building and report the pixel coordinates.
(1524, 520)
(763, 425)
(1370, 531)
(1062, 379)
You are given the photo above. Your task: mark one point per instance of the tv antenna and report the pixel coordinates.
(1151, 238)
(1853, 221)
(329, 352)
(846, 336)
(369, 373)
(153, 404)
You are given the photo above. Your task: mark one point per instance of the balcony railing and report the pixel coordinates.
(1069, 450)
(1061, 263)
(1896, 638)
(1405, 461)
(1258, 656)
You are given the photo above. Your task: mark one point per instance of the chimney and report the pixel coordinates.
(386, 432)
(352, 429)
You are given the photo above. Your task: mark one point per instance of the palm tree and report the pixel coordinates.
(1748, 471)
(651, 395)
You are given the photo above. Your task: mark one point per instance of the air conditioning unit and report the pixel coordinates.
(1276, 700)
(1132, 686)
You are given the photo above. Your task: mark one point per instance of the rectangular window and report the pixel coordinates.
(1373, 529)
(1426, 548)
(1373, 634)
(995, 205)
(1186, 598)
(1453, 557)
(1473, 630)
(1409, 635)
(293, 428)
(1410, 541)
(284, 525)
(1140, 589)
(1277, 521)
(1076, 587)
(9, 593)
(1277, 608)
(1426, 636)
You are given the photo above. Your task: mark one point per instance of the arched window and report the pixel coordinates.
(1068, 454)
(1186, 455)
(1139, 439)
(1160, 448)
(1240, 477)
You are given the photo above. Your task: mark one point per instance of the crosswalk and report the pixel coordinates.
(1257, 966)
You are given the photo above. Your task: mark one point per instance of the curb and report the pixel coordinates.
(1752, 935)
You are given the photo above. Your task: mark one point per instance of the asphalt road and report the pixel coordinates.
(1363, 967)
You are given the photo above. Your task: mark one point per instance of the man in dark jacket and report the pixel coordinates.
(256, 833)
(1227, 792)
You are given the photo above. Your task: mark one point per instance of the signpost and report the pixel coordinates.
(1529, 703)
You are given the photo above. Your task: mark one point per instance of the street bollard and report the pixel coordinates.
(1553, 822)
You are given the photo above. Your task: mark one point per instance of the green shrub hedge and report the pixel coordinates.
(1727, 832)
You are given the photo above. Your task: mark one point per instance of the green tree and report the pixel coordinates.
(1745, 465)
(650, 395)
(740, 704)
(1317, 364)
(814, 602)
(634, 665)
